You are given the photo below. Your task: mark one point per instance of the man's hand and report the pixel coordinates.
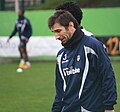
(109, 111)
(8, 40)
(24, 38)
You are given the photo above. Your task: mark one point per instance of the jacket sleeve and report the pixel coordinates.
(13, 32)
(57, 105)
(108, 79)
(26, 29)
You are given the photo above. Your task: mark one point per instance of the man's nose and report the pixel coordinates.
(57, 37)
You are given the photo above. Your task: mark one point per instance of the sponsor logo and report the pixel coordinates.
(70, 71)
(5, 45)
(65, 59)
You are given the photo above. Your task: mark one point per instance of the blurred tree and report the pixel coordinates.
(22, 3)
(2, 4)
(43, 1)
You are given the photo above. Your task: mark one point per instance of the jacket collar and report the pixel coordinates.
(21, 17)
(76, 38)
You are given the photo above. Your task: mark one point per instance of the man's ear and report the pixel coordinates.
(71, 25)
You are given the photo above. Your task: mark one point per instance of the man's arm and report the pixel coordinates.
(57, 105)
(13, 33)
(108, 80)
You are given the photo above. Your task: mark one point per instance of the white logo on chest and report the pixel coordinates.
(70, 71)
(65, 59)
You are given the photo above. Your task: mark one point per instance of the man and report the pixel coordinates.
(85, 80)
(24, 29)
(76, 11)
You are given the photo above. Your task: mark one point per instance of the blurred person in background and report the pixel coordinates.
(76, 11)
(85, 80)
(24, 29)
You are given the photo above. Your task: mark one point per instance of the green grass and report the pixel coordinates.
(116, 67)
(33, 90)
(30, 91)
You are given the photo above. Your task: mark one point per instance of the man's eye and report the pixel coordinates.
(58, 31)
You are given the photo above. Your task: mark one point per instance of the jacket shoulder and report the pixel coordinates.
(94, 42)
(60, 51)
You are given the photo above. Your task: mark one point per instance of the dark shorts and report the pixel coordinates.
(23, 43)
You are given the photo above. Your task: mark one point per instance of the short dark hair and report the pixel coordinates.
(73, 8)
(63, 18)
(22, 10)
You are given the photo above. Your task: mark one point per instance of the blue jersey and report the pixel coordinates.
(23, 27)
(85, 80)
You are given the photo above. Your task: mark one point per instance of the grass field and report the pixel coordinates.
(33, 90)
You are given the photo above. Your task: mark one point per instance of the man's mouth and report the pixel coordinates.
(63, 40)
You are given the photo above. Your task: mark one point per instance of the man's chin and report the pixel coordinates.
(63, 43)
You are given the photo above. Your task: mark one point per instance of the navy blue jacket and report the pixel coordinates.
(23, 27)
(85, 80)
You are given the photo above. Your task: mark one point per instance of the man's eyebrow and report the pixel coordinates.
(57, 30)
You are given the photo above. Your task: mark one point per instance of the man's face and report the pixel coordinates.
(61, 33)
(20, 13)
